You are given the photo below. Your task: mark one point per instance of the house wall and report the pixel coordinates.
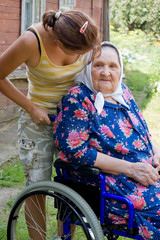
(50, 4)
(10, 22)
(10, 19)
(94, 9)
(9, 109)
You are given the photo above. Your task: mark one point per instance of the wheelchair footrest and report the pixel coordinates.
(110, 229)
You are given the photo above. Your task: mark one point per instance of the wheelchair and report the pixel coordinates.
(72, 209)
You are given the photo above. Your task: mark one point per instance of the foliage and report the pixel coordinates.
(136, 14)
(141, 58)
(155, 75)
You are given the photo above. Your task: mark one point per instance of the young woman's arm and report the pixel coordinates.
(23, 50)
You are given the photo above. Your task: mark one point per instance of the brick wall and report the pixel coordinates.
(9, 22)
(94, 11)
(50, 4)
(84, 6)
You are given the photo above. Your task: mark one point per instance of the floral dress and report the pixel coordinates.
(120, 132)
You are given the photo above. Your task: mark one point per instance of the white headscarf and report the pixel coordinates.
(86, 78)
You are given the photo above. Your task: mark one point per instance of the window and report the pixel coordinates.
(32, 11)
(66, 4)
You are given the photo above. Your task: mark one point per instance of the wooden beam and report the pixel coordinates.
(106, 34)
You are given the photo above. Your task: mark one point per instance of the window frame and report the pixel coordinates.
(65, 5)
(23, 11)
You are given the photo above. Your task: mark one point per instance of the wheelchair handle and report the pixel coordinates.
(52, 117)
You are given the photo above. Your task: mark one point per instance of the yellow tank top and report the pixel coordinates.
(47, 83)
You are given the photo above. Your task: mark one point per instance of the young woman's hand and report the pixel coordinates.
(40, 115)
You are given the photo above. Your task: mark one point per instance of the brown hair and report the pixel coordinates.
(67, 29)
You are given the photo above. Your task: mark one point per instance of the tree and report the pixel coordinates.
(136, 14)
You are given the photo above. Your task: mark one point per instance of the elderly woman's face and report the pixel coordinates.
(106, 71)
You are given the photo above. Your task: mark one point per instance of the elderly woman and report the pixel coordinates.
(99, 124)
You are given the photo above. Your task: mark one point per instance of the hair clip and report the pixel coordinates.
(83, 28)
(57, 15)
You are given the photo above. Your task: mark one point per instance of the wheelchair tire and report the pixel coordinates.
(62, 203)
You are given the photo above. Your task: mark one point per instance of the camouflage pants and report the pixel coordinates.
(36, 148)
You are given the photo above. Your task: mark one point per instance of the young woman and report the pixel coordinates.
(54, 51)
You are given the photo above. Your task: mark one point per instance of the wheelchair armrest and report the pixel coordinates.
(80, 169)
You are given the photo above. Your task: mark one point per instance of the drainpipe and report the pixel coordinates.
(92, 9)
(106, 35)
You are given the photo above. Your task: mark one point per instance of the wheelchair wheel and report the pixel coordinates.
(65, 210)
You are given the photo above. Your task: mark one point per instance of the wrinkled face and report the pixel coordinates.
(106, 71)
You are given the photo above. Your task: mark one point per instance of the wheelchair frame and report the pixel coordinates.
(132, 230)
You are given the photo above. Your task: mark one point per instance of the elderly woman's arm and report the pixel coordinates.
(71, 129)
(141, 172)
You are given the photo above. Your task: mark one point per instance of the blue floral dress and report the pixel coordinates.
(120, 132)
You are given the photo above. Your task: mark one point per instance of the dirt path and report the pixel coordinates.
(6, 194)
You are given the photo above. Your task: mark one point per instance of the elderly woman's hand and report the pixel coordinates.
(144, 173)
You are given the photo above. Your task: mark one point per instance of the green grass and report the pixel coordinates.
(12, 173)
(152, 115)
